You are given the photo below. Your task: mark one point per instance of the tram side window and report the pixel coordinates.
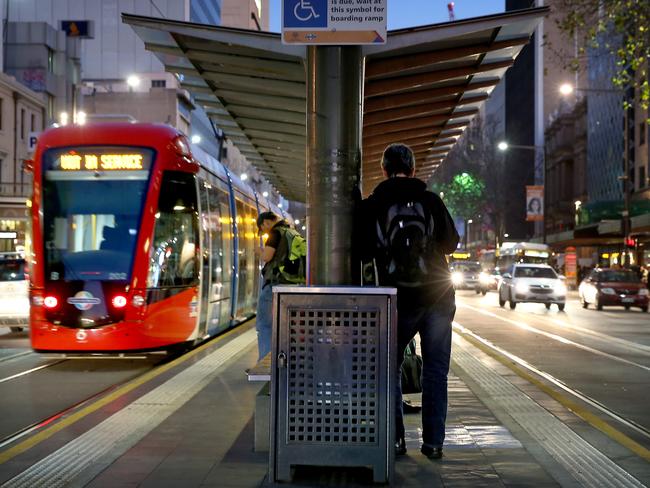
(173, 256)
(221, 230)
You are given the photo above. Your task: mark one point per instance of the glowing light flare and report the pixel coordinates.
(50, 302)
(119, 301)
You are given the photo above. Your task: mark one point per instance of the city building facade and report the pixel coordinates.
(22, 114)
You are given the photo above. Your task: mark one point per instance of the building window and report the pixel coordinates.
(642, 179)
(158, 83)
(50, 107)
(50, 61)
(22, 124)
(32, 124)
(1, 110)
(642, 131)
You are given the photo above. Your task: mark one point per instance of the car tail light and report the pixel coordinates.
(50, 302)
(119, 301)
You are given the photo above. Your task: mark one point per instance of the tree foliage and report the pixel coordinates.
(463, 196)
(592, 21)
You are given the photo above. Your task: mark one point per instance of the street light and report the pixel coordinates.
(566, 89)
(577, 204)
(503, 146)
(133, 81)
(265, 194)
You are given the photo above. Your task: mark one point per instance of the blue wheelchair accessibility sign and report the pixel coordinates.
(305, 13)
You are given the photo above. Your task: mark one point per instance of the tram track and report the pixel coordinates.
(524, 324)
(78, 405)
(31, 370)
(556, 382)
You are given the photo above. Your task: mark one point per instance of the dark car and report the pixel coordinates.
(465, 275)
(605, 287)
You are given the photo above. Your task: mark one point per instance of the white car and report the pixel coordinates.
(14, 293)
(536, 283)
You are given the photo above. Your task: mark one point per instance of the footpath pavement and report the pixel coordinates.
(501, 432)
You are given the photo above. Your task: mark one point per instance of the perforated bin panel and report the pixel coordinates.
(331, 381)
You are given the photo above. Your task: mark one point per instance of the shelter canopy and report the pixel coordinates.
(422, 88)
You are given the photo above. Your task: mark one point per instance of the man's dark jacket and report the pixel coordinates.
(404, 189)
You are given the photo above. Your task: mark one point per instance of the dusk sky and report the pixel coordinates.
(408, 13)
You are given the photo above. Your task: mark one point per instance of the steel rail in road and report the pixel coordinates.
(30, 371)
(464, 331)
(523, 325)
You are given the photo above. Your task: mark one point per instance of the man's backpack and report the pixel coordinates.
(293, 267)
(405, 235)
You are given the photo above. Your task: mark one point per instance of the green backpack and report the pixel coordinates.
(293, 267)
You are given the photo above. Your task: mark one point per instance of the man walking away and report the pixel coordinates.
(411, 231)
(283, 256)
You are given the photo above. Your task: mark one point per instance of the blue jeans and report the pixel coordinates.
(433, 323)
(264, 321)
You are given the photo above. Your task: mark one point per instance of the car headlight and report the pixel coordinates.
(643, 292)
(608, 291)
(560, 288)
(485, 279)
(522, 288)
(457, 278)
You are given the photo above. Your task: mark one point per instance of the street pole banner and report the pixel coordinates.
(534, 203)
(334, 22)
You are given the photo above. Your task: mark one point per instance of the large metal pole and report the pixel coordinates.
(334, 120)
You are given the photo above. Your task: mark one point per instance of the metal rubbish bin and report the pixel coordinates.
(332, 379)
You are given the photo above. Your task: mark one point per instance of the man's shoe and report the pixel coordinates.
(400, 447)
(431, 452)
(408, 407)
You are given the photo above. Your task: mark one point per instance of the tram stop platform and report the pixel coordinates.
(191, 423)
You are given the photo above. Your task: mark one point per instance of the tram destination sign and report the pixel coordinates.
(334, 22)
(99, 159)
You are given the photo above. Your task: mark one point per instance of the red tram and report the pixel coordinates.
(140, 243)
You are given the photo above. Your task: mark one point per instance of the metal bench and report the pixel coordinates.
(261, 372)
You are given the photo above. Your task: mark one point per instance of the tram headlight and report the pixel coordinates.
(50, 302)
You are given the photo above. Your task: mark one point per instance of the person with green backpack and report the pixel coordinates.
(284, 255)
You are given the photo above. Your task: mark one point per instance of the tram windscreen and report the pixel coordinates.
(92, 204)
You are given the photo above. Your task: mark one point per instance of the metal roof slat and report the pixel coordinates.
(257, 84)
(277, 127)
(266, 114)
(386, 66)
(403, 83)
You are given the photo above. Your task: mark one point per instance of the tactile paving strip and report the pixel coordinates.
(90, 453)
(586, 464)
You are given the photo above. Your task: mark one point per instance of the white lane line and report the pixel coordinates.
(555, 337)
(81, 460)
(559, 383)
(589, 466)
(641, 348)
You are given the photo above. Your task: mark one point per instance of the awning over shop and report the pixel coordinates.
(422, 88)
